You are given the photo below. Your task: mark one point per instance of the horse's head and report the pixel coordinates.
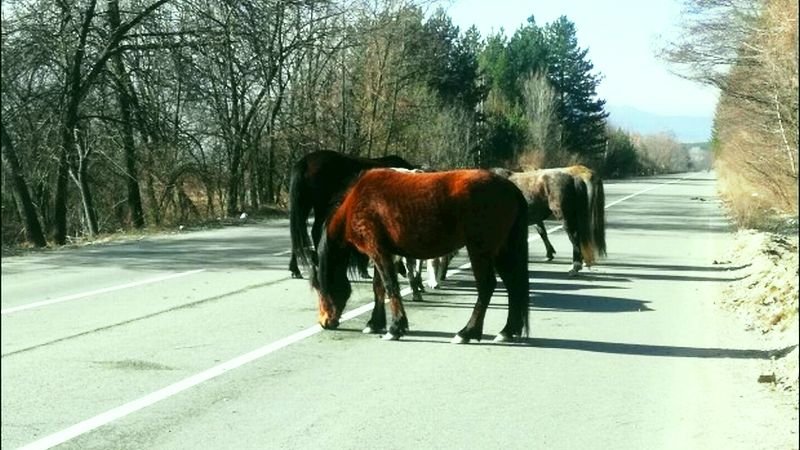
(330, 281)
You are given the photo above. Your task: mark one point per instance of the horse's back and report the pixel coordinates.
(428, 214)
(447, 190)
(581, 171)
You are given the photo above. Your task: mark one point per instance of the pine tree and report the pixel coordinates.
(570, 72)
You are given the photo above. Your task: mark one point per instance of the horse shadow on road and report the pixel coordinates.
(568, 302)
(619, 348)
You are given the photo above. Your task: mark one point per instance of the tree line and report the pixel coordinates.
(126, 114)
(748, 49)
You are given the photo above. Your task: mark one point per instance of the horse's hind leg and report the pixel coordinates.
(294, 268)
(385, 267)
(444, 264)
(377, 322)
(483, 270)
(512, 267)
(547, 245)
(432, 271)
(577, 257)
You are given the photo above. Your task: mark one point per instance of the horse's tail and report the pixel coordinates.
(597, 212)
(299, 209)
(582, 220)
(517, 247)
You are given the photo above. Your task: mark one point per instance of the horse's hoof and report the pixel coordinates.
(297, 276)
(390, 337)
(416, 297)
(459, 340)
(502, 337)
(369, 330)
(550, 257)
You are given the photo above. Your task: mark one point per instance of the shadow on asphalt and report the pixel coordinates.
(618, 348)
(544, 301)
(655, 350)
(238, 253)
(674, 267)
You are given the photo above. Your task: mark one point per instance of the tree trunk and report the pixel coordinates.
(87, 201)
(124, 87)
(60, 207)
(27, 211)
(80, 175)
(233, 182)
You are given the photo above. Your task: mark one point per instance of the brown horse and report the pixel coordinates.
(573, 195)
(422, 216)
(317, 180)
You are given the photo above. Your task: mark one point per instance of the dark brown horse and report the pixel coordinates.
(422, 216)
(573, 195)
(317, 180)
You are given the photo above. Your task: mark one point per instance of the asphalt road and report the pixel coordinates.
(202, 340)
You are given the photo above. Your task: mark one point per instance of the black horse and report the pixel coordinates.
(318, 179)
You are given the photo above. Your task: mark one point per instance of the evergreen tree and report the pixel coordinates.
(452, 62)
(570, 72)
(527, 56)
(621, 158)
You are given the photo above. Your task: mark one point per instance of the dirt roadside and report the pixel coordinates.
(765, 301)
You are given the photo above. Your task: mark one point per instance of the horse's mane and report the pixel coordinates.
(322, 282)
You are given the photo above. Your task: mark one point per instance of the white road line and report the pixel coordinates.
(677, 180)
(556, 228)
(98, 291)
(180, 386)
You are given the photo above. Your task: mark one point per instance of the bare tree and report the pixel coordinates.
(27, 211)
(748, 49)
(541, 111)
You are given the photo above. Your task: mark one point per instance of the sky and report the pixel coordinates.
(622, 37)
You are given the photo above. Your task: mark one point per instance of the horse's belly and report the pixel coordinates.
(427, 239)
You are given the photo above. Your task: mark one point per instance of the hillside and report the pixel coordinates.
(685, 128)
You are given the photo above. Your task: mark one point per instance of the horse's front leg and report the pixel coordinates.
(547, 245)
(377, 322)
(388, 275)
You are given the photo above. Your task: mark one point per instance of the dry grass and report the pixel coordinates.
(540, 159)
(752, 205)
(756, 123)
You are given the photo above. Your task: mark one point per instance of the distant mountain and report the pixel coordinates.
(685, 128)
